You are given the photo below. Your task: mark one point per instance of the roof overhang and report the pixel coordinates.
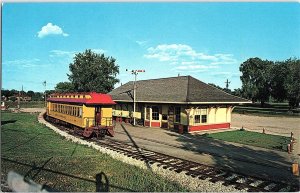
(187, 103)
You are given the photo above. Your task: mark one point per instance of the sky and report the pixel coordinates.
(208, 41)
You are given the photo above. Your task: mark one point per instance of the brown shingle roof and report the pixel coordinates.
(181, 89)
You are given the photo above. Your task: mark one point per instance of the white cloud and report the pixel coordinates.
(51, 29)
(175, 52)
(71, 54)
(98, 51)
(186, 59)
(23, 63)
(182, 54)
(141, 43)
(225, 74)
(194, 68)
(62, 53)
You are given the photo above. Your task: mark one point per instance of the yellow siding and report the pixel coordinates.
(88, 116)
(221, 115)
(117, 113)
(183, 117)
(125, 114)
(106, 114)
(138, 115)
(78, 121)
(211, 116)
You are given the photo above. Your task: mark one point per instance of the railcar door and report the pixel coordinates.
(98, 115)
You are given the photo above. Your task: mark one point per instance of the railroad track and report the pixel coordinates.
(190, 168)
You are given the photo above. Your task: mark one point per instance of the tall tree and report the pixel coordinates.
(63, 87)
(292, 82)
(279, 74)
(256, 79)
(93, 72)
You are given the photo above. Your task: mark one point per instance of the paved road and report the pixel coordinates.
(237, 157)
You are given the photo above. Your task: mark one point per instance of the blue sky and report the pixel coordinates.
(208, 41)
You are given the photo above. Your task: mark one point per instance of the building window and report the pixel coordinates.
(155, 113)
(177, 114)
(203, 118)
(164, 117)
(197, 118)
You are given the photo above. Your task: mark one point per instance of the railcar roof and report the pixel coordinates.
(95, 99)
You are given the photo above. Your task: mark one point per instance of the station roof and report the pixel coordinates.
(92, 98)
(180, 90)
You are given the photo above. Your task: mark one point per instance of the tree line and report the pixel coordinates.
(262, 79)
(13, 94)
(265, 80)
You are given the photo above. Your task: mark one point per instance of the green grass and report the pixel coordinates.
(274, 142)
(31, 104)
(67, 166)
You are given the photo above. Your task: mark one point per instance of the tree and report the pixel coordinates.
(279, 74)
(218, 87)
(256, 79)
(238, 92)
(93, 72)
(62, 87)
(292, 82)
(30, 93)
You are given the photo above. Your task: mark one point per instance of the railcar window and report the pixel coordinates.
(80, 112)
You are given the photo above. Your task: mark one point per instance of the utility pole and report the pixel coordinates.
(19, 100)
(45, 84)
(227, 83)
(135, 73)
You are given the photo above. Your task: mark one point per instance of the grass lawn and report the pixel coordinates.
(66, 166)
(30, 104)
(274, 142)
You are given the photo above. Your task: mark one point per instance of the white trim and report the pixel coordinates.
(165, 102)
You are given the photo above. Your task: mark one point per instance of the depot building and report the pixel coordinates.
(181, 102)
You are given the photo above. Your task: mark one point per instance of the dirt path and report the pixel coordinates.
(280, 125)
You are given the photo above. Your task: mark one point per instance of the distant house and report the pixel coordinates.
(181, 102)
(22, 98)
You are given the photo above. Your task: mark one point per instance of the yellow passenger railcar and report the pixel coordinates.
(91, 112)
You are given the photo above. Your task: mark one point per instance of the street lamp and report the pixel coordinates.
(135, 72)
